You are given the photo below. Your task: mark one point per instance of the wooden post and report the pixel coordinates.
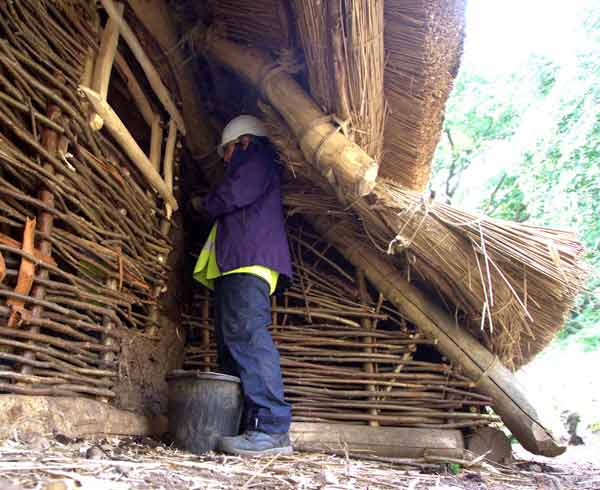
(153, 77)
(45, 223)
(106, 53)
(341, 161)
(156, 143)
(124, 138)
(367, 324)
(168, 162)
(485, 370)
(165, 225)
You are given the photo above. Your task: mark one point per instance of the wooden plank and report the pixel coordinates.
(394, 442)
(151, 73)
(479, 364)
(106, 53)
(129, 145)
(73, 417)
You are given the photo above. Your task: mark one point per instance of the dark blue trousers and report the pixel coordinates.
(245, 349)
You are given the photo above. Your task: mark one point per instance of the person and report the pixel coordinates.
(244, 258)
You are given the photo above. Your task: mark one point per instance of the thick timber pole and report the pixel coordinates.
(341, 161)
(479, 364)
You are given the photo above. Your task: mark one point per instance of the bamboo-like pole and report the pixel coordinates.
(153, 77)
(341, 161)
(46, 224)
(124, 138)
(136, 91)
(169, 161)
(478, 363)
(106, 53)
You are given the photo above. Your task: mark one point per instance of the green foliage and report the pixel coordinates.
(525, 146)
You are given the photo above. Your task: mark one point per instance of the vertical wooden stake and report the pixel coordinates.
(106, 53)
(156, 143)
(45, 220)
(366, 323)
(165, 226)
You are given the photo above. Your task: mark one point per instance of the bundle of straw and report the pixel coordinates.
(260, 23)
(423, 42)
(343, 48)
(510, 284)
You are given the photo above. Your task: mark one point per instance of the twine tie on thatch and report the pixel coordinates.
(340, 125)
(400, 242)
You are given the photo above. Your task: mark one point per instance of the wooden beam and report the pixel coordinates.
(156, 143)
(129, 145)
(136, 91)
(106, 53)
(479, 364)
(340, 160)
(392, 442)
(153, 77)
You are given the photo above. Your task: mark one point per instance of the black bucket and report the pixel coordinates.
(202, 408)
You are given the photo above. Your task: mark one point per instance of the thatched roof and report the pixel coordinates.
(385, 70)
(409, 52)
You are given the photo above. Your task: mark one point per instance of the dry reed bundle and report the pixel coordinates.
(346, 357)
(311, 21)
(518, 281)
(343, 47)
(423, 42)
(260, 23)
(512, 285)
(97, 250)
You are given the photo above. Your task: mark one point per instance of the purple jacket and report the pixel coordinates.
(247, 206)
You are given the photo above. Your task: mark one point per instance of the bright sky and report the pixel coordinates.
(500, 36)
(503, 33)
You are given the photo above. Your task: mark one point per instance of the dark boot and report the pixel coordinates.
(256, 443)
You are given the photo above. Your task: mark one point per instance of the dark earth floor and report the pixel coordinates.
(34, 462)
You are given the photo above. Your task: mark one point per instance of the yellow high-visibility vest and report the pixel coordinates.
(207, 269)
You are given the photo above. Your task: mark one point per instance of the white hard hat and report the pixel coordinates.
(239, 126)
